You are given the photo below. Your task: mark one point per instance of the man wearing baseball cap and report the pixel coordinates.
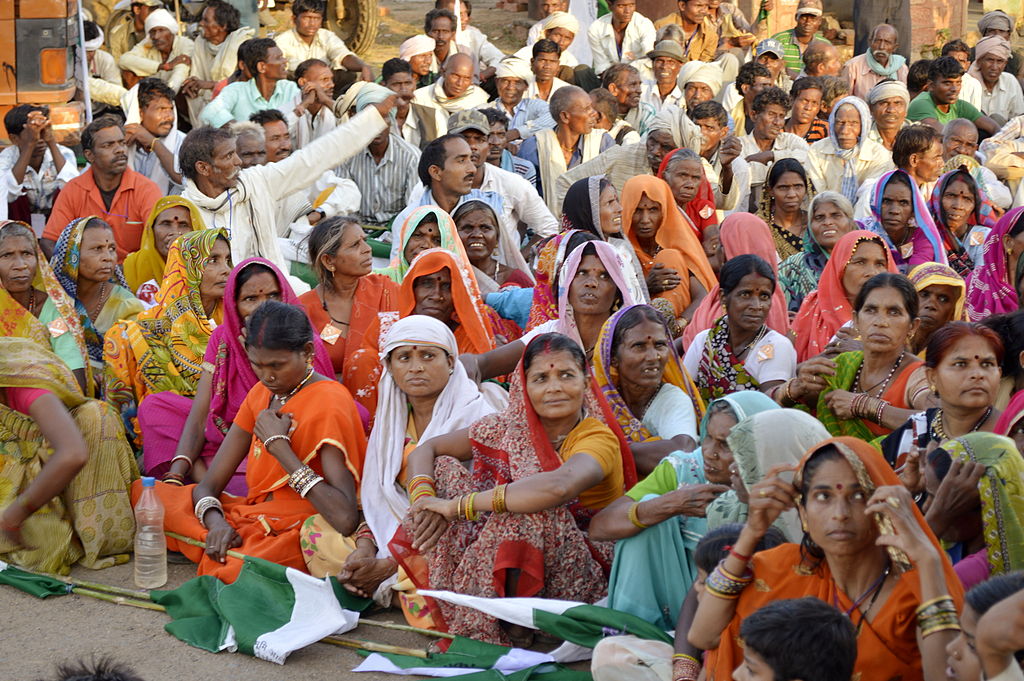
(520, 200)
(795, 40)
(772, 54)
(667, 60)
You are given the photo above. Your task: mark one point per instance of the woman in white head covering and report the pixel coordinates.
(424, 391)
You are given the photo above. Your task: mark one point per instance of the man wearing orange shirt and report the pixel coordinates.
(108, 189)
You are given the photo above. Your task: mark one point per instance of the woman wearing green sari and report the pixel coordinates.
(654, 567)
(867, 393)
(65, 467)
(426, 227)
(985, 531)
(758, 444)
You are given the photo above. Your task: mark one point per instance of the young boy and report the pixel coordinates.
(800, 639)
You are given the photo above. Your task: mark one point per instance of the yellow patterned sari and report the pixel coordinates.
(162, 350)
(91, 521)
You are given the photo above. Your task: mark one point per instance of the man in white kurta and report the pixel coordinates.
(244, 202)
(148, 58)
(637, 36)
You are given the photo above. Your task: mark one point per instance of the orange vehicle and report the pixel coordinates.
(37, 52)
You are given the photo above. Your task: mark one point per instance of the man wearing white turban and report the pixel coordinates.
(888, 102)
(525, 115)
(163, 53)
(700, 82)
(1001, 96)
(560, 28)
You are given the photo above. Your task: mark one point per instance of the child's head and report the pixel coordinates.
(801, 639)
(715, 546)
(961, 656)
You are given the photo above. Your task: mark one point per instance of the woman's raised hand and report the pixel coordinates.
(770, 498)
(693, 500)
(271, 422)
(895, 503)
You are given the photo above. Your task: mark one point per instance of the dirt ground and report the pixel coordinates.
(38, 634)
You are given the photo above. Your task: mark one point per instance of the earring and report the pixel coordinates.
(451, 371)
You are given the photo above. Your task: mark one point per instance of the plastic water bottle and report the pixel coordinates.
(150, 542)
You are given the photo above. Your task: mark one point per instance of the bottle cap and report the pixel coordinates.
(149, 482)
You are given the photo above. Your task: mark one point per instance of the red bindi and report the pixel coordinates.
(839, 486)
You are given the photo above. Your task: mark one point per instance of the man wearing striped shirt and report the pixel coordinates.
(385, 173)
(795, 40)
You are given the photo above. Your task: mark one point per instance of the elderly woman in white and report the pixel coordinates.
(424, 391)
(848, 156)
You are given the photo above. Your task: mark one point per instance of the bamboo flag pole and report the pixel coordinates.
(341, 641)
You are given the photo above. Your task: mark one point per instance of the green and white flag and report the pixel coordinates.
(570, 621)
(268, 612)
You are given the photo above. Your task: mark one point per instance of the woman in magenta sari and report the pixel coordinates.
(181, 455)
(993, 288)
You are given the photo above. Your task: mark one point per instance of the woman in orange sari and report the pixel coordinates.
(866, 549)
(856, 257)
(347, 305)
(439, 284)
(670, 253)
(301, 439)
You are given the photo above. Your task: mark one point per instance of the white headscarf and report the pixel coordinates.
(514, 67)
(161, 17)
(460, 404)
(562, 20)
(702, 72)
(418, 44)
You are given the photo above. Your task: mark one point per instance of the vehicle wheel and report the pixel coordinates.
(355, 21)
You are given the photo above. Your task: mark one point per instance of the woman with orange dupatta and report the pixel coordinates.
(540, 471)
(742, 233)
(299, 434)
(665, 244)
(856, 257)
(866, 549)
(348, 304)
(440, 285)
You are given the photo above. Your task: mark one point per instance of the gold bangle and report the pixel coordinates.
(934, 601)
(634, 516)
(498, 499)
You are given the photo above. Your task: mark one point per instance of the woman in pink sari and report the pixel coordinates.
(183, 456)
(742, 233)
(992, 288)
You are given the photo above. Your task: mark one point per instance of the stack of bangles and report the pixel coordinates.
(364, 532)
(303, 480)
(466, 511)
(867, 407)
(204, 505)
(723, 584)
(782, 393)
(177, 478)
(685, 667)
(938, 614)
(421, 486)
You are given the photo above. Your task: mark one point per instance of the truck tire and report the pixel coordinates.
(358, 24)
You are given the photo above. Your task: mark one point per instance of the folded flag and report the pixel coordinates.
(472, 660)
(39, 586)
(577, 623)
(268, 612)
